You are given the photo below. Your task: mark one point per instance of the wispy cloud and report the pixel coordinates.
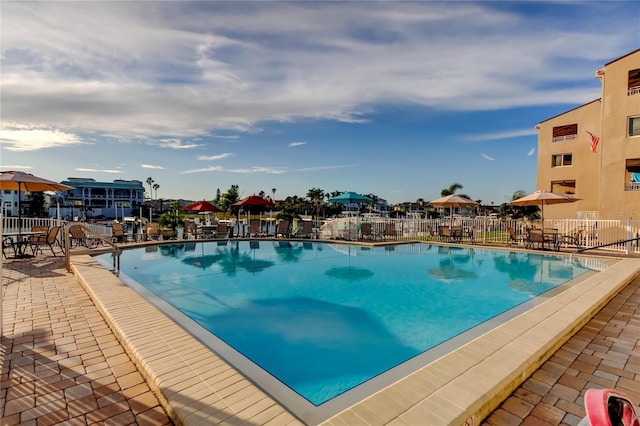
(501, 135)
(531, 152)
(215, 157)
(7, 167)
(202, 170)
(26, 137)
(175, 144)
(257, 169)
(487, 157)
(83, 169)
(318, 168)
(297, 143)
(151, 166)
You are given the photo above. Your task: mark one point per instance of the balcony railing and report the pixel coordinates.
(564, 138)
(632, 186)
(634, 90)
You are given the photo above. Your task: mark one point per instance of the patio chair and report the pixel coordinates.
(535, 237)
(49, 241)
(432, 233)
(152, 231)
(117, 233)
(366, 232)
(444, 232)
(390, 230)
(513, 237)
(7, 242)
(191, 230)
(304, 230)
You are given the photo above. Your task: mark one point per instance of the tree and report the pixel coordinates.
(273, 195)
(216, 201)
(156, 186)
(229, 198)
(150, 183)
(517, 212)
(450, 190)
(316, 196)
(172, 218)
(36, 204)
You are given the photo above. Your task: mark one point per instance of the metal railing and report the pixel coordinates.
(91, 233)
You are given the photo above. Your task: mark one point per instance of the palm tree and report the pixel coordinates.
(450, 190)
(156, 186)
(150, 183)
(316, 195)
(273, 195)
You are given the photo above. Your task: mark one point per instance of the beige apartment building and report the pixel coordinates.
(605, 177)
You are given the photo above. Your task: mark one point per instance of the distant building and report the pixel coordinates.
(9, 201)
(91, 199)
(592, 152)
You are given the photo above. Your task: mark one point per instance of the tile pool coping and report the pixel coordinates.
(196, 386)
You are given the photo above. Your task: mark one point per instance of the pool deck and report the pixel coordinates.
(87, 349)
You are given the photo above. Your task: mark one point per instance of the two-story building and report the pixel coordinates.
(90, 199)
(592, 152)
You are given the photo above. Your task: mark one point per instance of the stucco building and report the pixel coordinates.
(593, 151)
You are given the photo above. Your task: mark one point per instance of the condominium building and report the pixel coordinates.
(99, 199)
(592, 152)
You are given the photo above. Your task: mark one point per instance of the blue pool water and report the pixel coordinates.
(324, 318)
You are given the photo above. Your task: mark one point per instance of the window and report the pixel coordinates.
(565, 133)
(632, 174)
(634, 126)
(634, 82)
(561, 160)
(564, 187)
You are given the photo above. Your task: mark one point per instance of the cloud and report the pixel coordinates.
(297, 143)
(531, 152)
(202, 170)
(193, 69)
(500, 135)
(151, 166)
(257, 169)
(82, 169)
(487, 157)
(215, 157)
(7, 167)
(24, 137)
(317, 168)
(174, 144)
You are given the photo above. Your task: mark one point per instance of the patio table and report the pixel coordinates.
(19, 242)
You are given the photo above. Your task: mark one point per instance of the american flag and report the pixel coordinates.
(594, 142)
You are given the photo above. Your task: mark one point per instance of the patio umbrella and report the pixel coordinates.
(16, 180)
(350, 198)
(452, 201)
(201, 206)
(542, 198)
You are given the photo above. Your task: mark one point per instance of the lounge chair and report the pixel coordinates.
(304, 230)
(283, 229)
(254, 228)
(222, 231)
(79, 237)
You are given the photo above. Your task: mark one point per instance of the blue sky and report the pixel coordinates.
(398, 99)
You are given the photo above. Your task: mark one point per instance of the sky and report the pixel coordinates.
(396, 99)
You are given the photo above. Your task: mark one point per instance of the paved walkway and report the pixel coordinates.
(62, 364)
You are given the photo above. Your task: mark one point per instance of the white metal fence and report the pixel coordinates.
(491, 231)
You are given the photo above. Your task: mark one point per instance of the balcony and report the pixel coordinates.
(634, 90)
(565, 138)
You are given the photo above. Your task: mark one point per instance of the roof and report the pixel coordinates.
(572, 109)
(622, 57)
(91, 183)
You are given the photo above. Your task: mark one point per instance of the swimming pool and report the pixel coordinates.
(326, 318)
